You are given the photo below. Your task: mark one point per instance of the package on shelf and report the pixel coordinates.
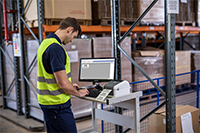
(186, 11)
(102, 47)
(156, 14)
(195, 60)
(130, 9)
(195, 64)
(182, 66)
(157, 121)
(60, 9)
(151, 60)
(193, 40)
(79, 48)
(101, 10)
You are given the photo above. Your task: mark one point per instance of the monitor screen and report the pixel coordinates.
(96, 69)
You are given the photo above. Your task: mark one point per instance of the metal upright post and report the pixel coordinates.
(13, 6)
(23, 48)
(2, 63)
(40, 9)
(199, 40)
(170, 71)
(143, 39)
(181, 42)
(116, 34)
(197, 103)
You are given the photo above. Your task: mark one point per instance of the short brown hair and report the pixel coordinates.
(70, 22)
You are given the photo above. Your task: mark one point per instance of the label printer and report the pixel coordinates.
(119, 88)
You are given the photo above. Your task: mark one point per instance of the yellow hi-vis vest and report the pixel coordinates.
(48, 91)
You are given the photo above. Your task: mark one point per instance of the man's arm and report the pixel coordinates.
(65, 84)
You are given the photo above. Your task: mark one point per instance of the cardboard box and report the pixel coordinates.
(151, 60)
(101, 10)
(157, 121)
(195, 64)
(195, 60)
(182, 66)
(60, 9)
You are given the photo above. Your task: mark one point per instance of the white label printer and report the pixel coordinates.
(119, 88)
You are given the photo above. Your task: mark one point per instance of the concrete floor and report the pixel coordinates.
(9, 122)
(7, 126)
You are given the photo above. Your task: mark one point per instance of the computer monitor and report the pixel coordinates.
(97, 69)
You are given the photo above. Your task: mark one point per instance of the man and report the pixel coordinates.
(54, 85)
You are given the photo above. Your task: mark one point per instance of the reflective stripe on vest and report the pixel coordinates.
(50, 81)
(48, 91)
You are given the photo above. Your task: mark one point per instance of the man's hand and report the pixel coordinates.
(83, 92)
(76, 86)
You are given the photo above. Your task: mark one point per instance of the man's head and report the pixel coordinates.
(70, 29)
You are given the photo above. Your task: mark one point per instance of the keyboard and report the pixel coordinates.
(93, 93)
(94, 90)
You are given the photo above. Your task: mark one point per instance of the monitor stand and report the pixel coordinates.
(97, 86)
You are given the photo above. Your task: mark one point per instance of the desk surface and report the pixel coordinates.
(113, 100)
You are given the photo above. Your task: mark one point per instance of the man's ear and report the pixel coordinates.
(70, 30)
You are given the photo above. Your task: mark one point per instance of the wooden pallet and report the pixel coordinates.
(123, 22)
(105, 21)
(185, 23)
(34, 23)
(127, 21)
(153, 23)
(183, 85)
(57, 21)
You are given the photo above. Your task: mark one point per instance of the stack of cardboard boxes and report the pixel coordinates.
(186, 11)
(59, 9)
(152, 62)
(195, 64)
(102, 10)
(182, 66)
(155, 15)
(132, 9)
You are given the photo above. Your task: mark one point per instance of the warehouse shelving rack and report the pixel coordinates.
(23, 78)
(138, 29)
(116, 30)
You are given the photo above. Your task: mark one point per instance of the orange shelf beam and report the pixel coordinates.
(107, 29)
(98, 28)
